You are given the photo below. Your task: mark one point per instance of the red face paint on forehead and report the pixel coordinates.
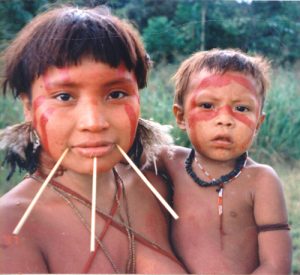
(124, 72)
(218, 80)
(62, 75)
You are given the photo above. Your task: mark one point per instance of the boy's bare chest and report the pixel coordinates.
(202, 233)
(198, 207)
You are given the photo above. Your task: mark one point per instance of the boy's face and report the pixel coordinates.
(88, 108)
(221, 113)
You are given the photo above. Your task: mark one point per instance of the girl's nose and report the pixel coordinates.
(92, 117)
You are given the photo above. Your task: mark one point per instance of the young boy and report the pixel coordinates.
(232, 212)
(77, 72)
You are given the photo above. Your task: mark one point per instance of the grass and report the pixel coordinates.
(290, 176)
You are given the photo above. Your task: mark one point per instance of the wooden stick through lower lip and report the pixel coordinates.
(93, 209)
(149, 185)
(38, 194)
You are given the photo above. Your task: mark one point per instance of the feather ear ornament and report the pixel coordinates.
(150, 138)
(21, 145)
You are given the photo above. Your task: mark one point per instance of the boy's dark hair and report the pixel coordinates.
(63, 36)
(221, 61)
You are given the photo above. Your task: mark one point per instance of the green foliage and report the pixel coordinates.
(159, 35)
(187, 21)
(290, 177)
(278, 138)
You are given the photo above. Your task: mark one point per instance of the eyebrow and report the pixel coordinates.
(69, 83)
(119, 82)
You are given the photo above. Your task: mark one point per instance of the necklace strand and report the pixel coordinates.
(88, 228)
(240, 163)
(116, 223)
(67, 197)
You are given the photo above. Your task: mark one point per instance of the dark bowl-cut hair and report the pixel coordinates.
(63, 36)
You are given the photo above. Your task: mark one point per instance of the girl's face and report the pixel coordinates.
(88, 108)
(221, 114)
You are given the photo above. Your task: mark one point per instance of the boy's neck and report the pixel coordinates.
(215, 168)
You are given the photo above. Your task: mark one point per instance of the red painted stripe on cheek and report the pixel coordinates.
(196, 114)
(238, 116)
(43, 124)
(133, 119)
(242, 118)
(36, 104)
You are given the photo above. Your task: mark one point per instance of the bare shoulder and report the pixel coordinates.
(264, 176)
(19, 253)
(269, 201)
(173, 157)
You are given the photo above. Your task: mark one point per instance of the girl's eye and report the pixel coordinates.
(208, 106)
(64, 97)
(242, 109)
(116, 95)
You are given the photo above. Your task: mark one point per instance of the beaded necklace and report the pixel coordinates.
(239, 165)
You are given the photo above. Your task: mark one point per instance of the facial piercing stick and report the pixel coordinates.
(93, 209)
(146, 181)
(38, 194)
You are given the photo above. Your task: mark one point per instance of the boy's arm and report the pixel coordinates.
(274, 246)
(18, 253)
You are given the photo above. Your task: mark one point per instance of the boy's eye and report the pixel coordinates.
(117, 95)
(64, 97)
(242, 109)
(206, 106)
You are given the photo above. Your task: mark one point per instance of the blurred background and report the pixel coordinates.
(174, 29)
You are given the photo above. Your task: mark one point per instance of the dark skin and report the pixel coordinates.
(221, 115)
(88, 108)
(46, 243)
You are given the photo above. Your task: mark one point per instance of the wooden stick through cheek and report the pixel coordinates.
(149, 185)
(38, 194)
(93, 209)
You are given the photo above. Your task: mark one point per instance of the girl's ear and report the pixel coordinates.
(26, 107)
(179, 115)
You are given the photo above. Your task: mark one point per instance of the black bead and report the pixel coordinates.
(240, 163)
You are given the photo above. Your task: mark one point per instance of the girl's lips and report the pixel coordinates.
(91, 151)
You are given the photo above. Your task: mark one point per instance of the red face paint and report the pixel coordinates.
(224, 80)
(43, 123)
(133, 119)
(206, 115)
(61, 77)
(36, 104)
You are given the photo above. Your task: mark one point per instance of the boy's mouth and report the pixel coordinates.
(222, 140)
